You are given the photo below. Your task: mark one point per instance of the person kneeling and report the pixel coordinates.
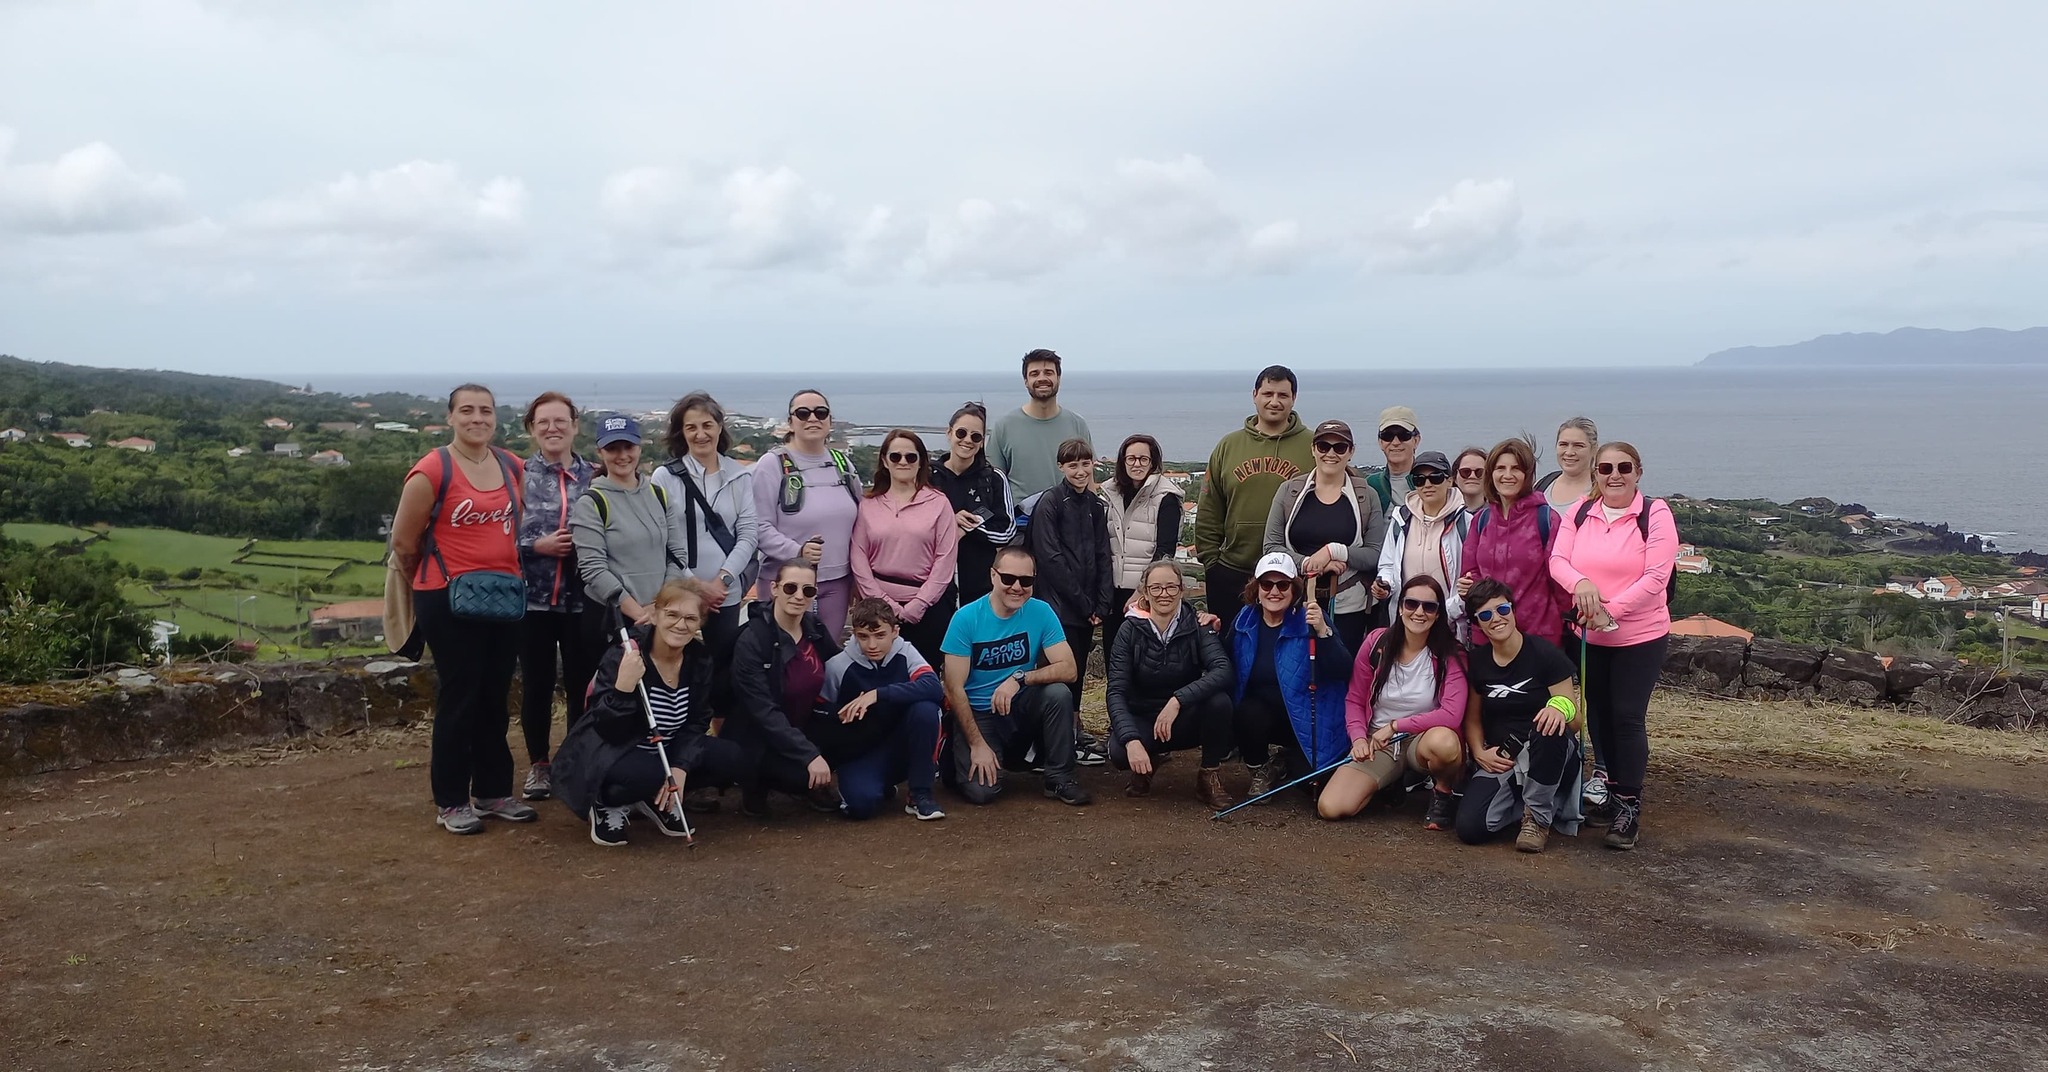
(1169, 689)
(778, 676)
(1406, 698)
(1520, 730)
(887, 729)
(610, 764)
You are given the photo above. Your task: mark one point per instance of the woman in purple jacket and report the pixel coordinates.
(1510, 539)
(806, 497)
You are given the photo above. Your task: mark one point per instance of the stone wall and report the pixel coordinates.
(1774, 670)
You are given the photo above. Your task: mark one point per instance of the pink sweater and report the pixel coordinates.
(1632, 574)
(1511, 550)
(919, 540)
(1449, 711)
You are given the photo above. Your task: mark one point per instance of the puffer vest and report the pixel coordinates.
(1134, 530)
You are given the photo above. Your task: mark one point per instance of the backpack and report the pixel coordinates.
(1642, 525)
(1542, 523)
(1549, 478)
(792, 499)
(694, 500)
(604, 515)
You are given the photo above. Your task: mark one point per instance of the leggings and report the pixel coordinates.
(473, 664)
(1618, 686)
(721, 632)
(928, 632)
(1080, 638)
(1263, 727)
(1493, 802)
(1206, 725)
(543, 634)
(638, 775)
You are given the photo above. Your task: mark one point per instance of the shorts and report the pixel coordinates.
(1388, 762)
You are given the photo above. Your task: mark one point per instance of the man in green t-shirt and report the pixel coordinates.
(1025, 442)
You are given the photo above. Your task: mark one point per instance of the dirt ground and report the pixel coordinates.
(1816, 888)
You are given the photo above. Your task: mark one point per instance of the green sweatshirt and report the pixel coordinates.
(1245, 470)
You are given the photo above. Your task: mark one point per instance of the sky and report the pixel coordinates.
(418, 186)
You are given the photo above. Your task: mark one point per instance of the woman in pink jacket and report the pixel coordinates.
(906, 540)
(1510, 539)
(1403, 709)
(1614, 553)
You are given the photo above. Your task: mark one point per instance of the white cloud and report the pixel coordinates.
(749, 218)
(1473, 226)
(404, 220)
(88, 189)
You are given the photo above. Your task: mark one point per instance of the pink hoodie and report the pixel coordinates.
(1449, 711)
(1511, 550)
(1632, 574)
(920, 540)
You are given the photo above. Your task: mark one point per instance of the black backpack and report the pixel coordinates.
(1643, 525)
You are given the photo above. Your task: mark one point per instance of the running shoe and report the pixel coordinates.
(923, 806)
(608, 826)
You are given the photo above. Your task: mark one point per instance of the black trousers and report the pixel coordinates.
(473, 664)
(639, 775)
(721, 632)
(1618, 685)
(1225, 595)
(1081, 638)
(545, 635)
(1206, 725)
(927, 633)
(1263, 728)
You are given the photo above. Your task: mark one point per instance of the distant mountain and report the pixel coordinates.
(1906, 346)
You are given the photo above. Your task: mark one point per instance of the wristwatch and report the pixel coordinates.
(1018, 677)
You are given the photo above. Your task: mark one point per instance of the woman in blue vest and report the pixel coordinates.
(1292, 673)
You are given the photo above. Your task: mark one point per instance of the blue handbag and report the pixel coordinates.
(480, 595)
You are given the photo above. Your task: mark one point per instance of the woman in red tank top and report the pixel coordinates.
(473, 528)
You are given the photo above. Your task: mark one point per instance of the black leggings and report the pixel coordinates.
(928, 632)
(1262, 727)
(1618, 686)
(473, 664)
(721, 632)
(638, 775)
(1081, 638)
(1206, 725)
(543, 634)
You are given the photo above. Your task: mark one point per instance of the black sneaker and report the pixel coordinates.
(754, 804)
(1068, 791)
(1443, 811)
(608, 826)
(666, 821)
(1627, 822)
(1089, 751)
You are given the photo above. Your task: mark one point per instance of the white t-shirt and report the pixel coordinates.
(1410, 690)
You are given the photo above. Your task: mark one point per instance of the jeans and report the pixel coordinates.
(543, 635)
(1041, 715)
(473, 664)
(909, 754)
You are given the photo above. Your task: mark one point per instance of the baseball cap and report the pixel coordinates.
(1431, 459)
(1398, 417)
(617, 428)
(1279, 562)
(1337, 429)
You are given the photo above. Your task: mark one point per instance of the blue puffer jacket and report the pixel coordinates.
(1325, 722)
(551, 583)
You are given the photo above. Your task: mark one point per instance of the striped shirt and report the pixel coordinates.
(671, 708)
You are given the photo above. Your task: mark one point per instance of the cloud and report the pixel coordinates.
(749, 218)
(90, 189)
(403, 220)
(1474, 225)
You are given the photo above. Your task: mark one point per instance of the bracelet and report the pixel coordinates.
(1563, 705)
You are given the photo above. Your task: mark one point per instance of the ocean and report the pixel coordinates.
(1929, 444)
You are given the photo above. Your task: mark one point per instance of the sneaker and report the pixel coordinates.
(1089, 750)
(1264, 777)
(923, 806)
(1534, 836)
(1068, 791)
(826, 799)
(508, 809)
(1628, 813)
(1443, 810)
(666, 821)
(754, 804)
(460, 819)
(538, 785)
(1595, 794)
(608, 826)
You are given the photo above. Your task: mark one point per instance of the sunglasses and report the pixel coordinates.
(1431, 477)
(1282, 584)
(1332, 446)
(790, 588)
(1611, 468)
(1470, 474)
(812, 413)
(1017, 580)
(1396, 435)
(1506, 608)
(966, 435)
(1425, 606)
(899, 457)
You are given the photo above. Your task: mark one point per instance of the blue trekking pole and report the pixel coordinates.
(1341, 760)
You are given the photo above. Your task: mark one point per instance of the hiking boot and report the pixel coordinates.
(1443, 810)
(1068, 791)
(754, 804)
(923, 805)
(1595, 792)
(667, 821)
(538, 785)
(1140, 785)
(1602, 815)
(1628, 812)
(825, 799)
(508, 809)
(703, 800)
(608, 826)
(460, 819)
(1210, 791)
(1089, 750)
(1535, 835)
(1264, 777)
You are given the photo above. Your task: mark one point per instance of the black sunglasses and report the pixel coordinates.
(1611, 468)
(899, 457)
(1332, 446)
(790, 588)
(808, 413)
(1396, 435)
(1431, 477)
(1426, 606)
(1017, 580)
(1279, 585)
(1470, 474)
(968, 435)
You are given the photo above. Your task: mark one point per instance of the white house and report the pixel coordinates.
(278, 423)
(1944, 589)
(286, 450)
(331, 458)
(2041, 608)
(72, 439)
(13, 435)
(237, 452)
(135, 443)
(392, 426)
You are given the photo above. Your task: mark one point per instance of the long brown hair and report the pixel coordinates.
(678, 447)
(1441, 642)
(880, 485)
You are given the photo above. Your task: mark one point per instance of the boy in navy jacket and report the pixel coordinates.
(878, 722)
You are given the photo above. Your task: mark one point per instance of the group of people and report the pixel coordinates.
(797, 626)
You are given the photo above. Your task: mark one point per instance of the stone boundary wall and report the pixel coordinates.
(1774, 670)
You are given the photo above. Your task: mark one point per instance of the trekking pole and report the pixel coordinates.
(1341, 760)
(675, 790)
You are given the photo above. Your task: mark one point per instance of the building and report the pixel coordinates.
(135, 443)
(72, 439)
(278, 424)
(333, 459)
(362, 620)
(340, 427)
(238, 452)
(360, 405)
(13, 435)
(1944, 589)
(435, 429)
(392, 426)
(286, 450)
(2041, 608)
(1691, 561)
(1702, 625)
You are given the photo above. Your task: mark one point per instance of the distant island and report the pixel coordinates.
(1906, 346)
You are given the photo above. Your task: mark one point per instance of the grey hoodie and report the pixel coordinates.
(640, 549)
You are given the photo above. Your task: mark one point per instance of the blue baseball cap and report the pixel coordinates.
(617, 428)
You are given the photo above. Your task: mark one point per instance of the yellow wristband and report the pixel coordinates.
(1564, 706)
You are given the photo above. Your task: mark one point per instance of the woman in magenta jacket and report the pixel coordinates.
(1615, 553)
(906, 540)
(1510, 540)
(1409, 682)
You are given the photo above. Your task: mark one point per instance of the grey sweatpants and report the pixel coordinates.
(1041, 715)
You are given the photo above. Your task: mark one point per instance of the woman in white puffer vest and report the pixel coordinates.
(1144, 523)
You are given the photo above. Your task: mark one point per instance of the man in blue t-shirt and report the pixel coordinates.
(1007, 672)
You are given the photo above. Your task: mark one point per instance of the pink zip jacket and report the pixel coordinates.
(1632, 575)
(1511, 550)
(1449, 711)
(905, 554)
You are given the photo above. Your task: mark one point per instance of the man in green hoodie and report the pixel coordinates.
(1245, 471)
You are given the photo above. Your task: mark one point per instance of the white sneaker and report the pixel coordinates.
(1596, 790)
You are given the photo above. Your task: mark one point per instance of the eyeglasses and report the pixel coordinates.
(1138, 459)
(1506, 608)
(968, 435)
(1162, 589)
(1396, 435)
(1332, 446)
(1470, 474)
(790, 588)
(1611, 468)
(811, 413)
(1017, 580)
(1281, 584)
(1425, 606)
(899, 457)
(1431, 477)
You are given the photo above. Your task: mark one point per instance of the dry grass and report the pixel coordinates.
(1816, 733)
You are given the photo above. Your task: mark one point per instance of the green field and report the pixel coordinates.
(43, 535)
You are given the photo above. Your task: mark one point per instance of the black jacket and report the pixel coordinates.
(615, 723)
(759, 657)
(1069, 535)
(982, 490)
(1145, 671)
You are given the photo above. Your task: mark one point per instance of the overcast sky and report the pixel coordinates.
(418, 186)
